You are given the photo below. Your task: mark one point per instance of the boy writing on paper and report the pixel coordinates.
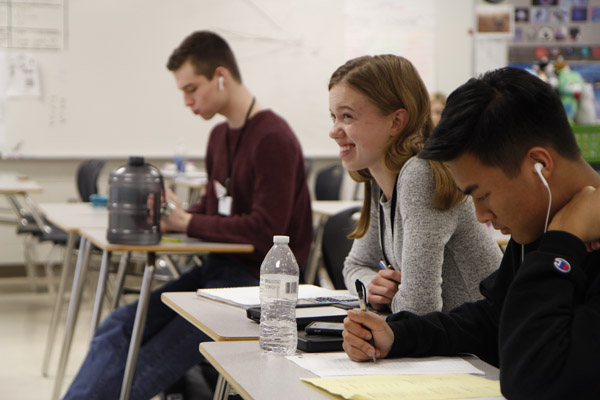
(257, 188)
(509, 145)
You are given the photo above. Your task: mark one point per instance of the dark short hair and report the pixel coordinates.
(206, 51)
(498, 117)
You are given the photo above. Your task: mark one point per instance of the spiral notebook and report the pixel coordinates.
(247, 297)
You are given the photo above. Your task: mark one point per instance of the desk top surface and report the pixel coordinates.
(258, 376)
(181, 244)
(13, 183)
(71, 217)
(327, 208)
(220, 321)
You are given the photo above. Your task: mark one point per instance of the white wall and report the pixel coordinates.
(453, 66)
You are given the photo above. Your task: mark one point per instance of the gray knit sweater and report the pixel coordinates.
(443, 255)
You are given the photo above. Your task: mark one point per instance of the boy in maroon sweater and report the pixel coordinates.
(257, 179)
(257, 189)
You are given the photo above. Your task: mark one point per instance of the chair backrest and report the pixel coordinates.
(336, 244)
(328, 182)
(87, 178)
(309, 163)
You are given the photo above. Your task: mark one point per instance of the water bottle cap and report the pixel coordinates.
(136, 161)
(281, 239)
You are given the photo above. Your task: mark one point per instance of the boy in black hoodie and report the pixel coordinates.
(508, 143)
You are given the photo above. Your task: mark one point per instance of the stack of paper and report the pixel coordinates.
(430, 378)
(409, 387)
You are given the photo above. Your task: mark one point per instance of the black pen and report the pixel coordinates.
(362, 297)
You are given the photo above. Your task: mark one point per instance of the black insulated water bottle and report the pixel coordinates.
(129, 218)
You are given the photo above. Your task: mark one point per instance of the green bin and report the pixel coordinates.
(588, 139)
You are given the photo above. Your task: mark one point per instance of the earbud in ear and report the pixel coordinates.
(538, 168)
(220, 83)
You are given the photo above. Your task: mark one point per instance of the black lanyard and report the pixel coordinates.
(237, 145)
(382, 221)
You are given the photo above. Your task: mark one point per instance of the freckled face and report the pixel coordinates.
(199, 93)
(359, 128)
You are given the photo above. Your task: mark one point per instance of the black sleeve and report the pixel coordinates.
(550, 326)
(469, 328)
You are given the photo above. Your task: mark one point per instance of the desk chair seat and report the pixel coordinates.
(336, 245)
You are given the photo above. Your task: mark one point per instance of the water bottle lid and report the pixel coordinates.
(281, 239)
(136, 161)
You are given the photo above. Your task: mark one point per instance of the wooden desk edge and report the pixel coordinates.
(166, 247)
(211, 334)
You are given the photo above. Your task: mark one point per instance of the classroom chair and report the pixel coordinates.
(329, 182)
(37, 229)
(87, 178)
(336, 244)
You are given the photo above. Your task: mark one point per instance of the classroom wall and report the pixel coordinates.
(452, 66)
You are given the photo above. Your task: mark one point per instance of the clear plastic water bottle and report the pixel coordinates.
(180, 158)
(278, 296)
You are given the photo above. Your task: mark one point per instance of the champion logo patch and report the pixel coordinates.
(562, 265)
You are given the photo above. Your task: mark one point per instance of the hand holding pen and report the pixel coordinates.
(383, 286)
(362, 297)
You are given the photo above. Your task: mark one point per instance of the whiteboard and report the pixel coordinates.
(107, 92)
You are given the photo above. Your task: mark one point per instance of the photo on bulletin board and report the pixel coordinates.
(522, 14)
(579, 14)
(495, 21)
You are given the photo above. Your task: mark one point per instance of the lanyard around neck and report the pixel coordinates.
(237, 145)
(382, 221)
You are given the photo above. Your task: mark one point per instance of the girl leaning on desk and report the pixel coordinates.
(418, 246)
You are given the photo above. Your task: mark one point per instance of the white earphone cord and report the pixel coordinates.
(538, 168)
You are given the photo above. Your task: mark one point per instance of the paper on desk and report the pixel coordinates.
(338, 364)
(249, 296)
(409, 387)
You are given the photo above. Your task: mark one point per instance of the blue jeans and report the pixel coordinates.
(169, 343)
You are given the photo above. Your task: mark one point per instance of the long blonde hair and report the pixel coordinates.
(391, 82)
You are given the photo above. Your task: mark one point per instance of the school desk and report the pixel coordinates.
(243, 366)
(97, 237)
(220, 321)
(70, 217)
(193, 182)
(15, 186)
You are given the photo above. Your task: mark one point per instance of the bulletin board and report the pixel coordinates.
(552, 28)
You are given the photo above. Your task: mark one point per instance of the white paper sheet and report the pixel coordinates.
(338, 364)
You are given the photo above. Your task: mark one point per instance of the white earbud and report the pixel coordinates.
(538, 168)
(220, 83)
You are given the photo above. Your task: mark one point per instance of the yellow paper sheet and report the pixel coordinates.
(408, 387)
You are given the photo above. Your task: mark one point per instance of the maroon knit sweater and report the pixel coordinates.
(268, 186)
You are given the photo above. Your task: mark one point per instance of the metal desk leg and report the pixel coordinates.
(78, 283)
(58, 303)
(138, 327)
(222, 389)
(20, 213)
(102, 276)
(120, 279)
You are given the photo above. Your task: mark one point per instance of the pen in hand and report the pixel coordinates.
(383, 265)
(362, 297)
